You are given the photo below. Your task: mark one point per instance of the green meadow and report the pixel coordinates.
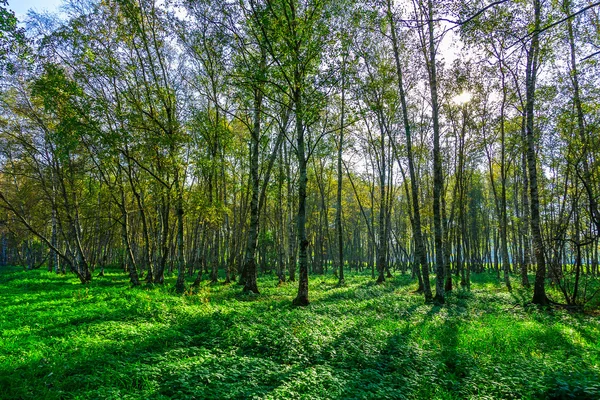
(62, 340)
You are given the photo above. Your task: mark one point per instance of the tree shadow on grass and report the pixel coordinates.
(365, 290)
(254, 352)
(219, 355)
(486, 278)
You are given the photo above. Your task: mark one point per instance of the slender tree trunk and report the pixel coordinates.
(437, 165)
(54, 258)
(214, 256)
(280, 223)
(461, 232)
(180, 285)
(130, 259)
(382, 247)
(250, 256)
(163, 238)
(586, 176)
(524, 221)
(539, 290)
(291, 230)
(302, 297)
(338, 211)
(419, 253)
(140, 203)
(503, 211)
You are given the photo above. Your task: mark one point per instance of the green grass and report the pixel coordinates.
(61, 340)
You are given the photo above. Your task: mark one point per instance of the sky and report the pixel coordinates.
(20, 7)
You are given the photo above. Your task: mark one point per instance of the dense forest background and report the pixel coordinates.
(220, 140)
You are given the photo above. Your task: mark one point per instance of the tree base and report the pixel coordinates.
(251, 289)
(300, 301)
(541, 300)
(133, 279)
(180, 288)
(448, 285)
(439, 300)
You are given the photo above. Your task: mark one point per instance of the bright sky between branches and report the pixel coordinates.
(21, 7)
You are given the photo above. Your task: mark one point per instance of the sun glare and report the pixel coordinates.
(462, 98)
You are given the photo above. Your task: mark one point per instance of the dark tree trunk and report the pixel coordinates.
(420, 254)
(250, 256)
(180, 284)
(438, 179)
(539, 290)
(302, 297)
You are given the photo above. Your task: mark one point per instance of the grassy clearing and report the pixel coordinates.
(60, 340)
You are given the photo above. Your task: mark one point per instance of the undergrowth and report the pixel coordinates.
(62, 340)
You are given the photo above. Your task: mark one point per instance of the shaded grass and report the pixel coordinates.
(63, 340)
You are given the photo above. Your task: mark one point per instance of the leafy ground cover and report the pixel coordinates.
(61, 340)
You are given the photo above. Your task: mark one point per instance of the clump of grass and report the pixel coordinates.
(365, 341)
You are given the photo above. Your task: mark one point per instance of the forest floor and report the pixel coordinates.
(61, 340)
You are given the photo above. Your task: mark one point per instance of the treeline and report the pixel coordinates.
(225, 139)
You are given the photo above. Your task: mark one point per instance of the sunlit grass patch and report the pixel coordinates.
(361, 340)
